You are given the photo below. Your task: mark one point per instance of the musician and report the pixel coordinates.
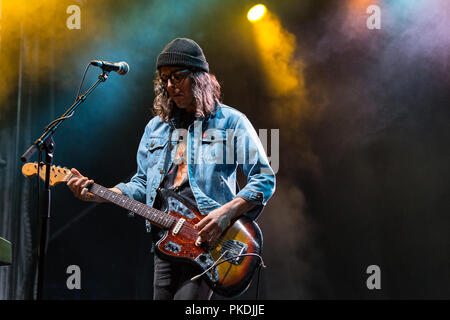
(193, 146)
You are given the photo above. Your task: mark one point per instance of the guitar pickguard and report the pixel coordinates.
(174, 204)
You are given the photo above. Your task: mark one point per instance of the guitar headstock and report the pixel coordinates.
(57, 174)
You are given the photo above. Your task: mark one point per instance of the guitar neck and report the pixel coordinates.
(59, 175)
(153, 215)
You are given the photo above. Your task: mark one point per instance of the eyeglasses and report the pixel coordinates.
(176, 76)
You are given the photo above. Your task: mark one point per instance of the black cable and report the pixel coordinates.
(257, 282)
(76, 99)
(81, 84)
(216, 263)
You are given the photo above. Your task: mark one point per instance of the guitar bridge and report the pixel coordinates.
(231, 250)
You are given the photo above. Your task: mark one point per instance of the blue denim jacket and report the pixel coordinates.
(216, 146)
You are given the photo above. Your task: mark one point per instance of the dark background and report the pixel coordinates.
(363, 176)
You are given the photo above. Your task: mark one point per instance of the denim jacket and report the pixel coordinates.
(216, 146)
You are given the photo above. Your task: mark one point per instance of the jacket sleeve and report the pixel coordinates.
(136, 187)
(252, 159)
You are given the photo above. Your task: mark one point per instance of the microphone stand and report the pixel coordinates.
(46, 143)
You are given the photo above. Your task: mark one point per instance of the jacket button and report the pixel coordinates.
(152, 144)
(161, 171)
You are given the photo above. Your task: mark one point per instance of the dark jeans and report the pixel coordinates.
(172, 281)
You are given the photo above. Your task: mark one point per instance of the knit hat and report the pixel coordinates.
(183, 52)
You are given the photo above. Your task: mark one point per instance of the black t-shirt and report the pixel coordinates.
(177, 178)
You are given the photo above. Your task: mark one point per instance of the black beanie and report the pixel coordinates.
(183, 52)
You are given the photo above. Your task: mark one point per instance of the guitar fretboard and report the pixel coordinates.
(157, 217)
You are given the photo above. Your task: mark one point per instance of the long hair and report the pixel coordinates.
(205, 89)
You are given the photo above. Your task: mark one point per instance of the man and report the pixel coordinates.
(193, 146)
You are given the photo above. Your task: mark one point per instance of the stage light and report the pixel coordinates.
(256, 12)
(276, 47)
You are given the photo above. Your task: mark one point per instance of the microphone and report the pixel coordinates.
(121, 68)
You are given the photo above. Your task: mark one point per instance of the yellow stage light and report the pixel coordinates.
(256, 12)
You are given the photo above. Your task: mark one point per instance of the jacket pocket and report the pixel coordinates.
(155, 147)
(214, 146)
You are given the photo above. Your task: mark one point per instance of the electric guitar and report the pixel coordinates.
(227, 266)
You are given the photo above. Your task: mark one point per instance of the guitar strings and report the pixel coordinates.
(190, 230)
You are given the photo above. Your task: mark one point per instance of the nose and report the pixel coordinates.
(169, 83)
(172, 87)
